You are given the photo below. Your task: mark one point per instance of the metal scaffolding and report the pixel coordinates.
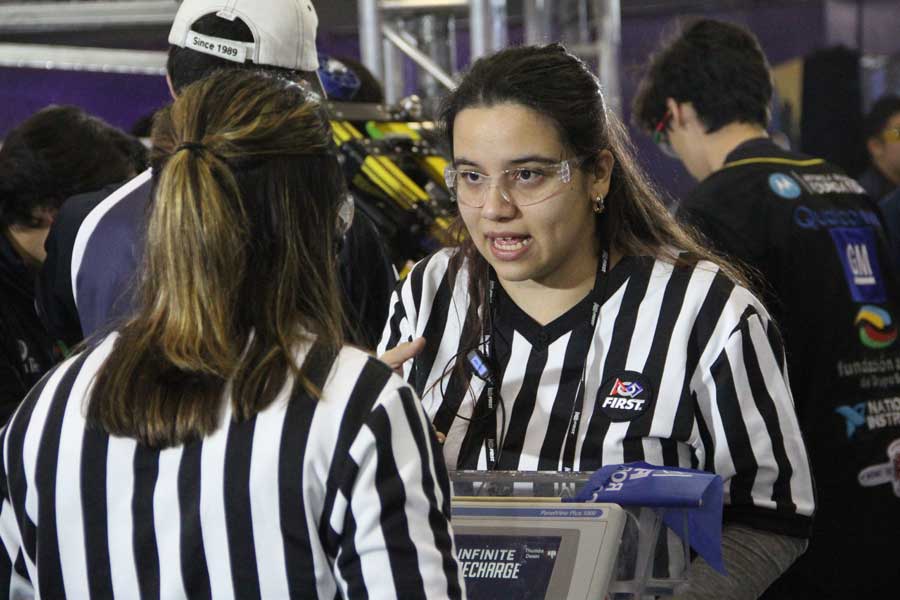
(75, 16)
(425, 31)
(392, 33)
(72, 58)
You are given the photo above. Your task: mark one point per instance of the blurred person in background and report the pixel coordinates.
(881, 127)
(225, 442)
(882, 179)
(58, 152)
(890, 210)
(94, 248)
(814, 238)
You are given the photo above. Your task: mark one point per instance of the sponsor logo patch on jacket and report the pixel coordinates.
(857, 249)
(785, 186)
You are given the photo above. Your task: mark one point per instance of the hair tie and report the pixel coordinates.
(197, 147)
(190, 146)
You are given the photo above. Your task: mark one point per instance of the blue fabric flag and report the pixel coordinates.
(641, 484)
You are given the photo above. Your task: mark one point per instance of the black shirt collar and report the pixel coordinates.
(510, 316)
(761, 146)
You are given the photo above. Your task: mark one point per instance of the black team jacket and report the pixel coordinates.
(26, 349)
(817, 244)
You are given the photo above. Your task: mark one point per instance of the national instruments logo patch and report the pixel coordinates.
(876, 327)
(625, 396)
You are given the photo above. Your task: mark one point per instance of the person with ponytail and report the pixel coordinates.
(224, 442)
(577, 325)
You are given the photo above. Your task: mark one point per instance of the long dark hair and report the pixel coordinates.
(560, 87)
(239, 261)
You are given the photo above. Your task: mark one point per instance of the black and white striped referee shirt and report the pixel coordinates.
(344, 496)
(685, 369)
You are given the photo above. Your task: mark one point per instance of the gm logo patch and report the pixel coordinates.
(785, 186)
(625, 396)
(858, 250)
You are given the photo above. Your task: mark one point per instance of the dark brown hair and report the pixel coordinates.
(239, 261)
(718, 67)
(557, 85)
(57, 153)
(878, 116)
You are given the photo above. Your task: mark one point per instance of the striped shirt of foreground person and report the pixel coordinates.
(697, 355)
(345, 495)
(223, 442)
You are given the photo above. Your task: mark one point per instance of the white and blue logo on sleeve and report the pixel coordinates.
(785, 186)
(858, 251)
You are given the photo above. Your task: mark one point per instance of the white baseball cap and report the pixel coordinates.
(284, 31)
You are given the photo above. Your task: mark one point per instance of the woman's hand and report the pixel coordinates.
(399, 354)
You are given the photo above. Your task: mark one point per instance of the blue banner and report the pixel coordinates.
(641, 484)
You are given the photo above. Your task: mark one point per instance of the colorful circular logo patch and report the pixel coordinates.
(785, 186)
(876, 327)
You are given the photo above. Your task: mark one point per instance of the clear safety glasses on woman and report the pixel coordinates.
(522, 186)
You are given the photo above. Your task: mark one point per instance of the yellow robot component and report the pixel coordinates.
(434, 165)
(391, 180)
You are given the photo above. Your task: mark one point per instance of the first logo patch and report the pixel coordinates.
(625, 396)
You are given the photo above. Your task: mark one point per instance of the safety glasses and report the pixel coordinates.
(522, 186)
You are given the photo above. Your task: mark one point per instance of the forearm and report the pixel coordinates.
(753, 559)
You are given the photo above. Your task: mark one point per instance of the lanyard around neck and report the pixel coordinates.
(493, 383)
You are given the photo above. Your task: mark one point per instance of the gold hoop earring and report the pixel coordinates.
(599, 205)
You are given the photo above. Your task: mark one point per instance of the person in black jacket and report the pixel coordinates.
(56, 153)
(816, 240)
(224, 442)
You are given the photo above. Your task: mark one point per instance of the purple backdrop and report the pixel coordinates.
(785, 32)
(120, 99)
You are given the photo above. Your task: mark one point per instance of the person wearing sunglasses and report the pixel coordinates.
(881, 127)
(816, 241)
(577, 325)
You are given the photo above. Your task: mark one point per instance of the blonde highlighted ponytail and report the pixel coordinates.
(239, 268)
(201, 228)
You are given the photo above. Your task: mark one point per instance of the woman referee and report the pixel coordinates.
(577, 325)
(223, 444)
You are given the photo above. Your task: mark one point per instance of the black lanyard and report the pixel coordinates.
(491, 448)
